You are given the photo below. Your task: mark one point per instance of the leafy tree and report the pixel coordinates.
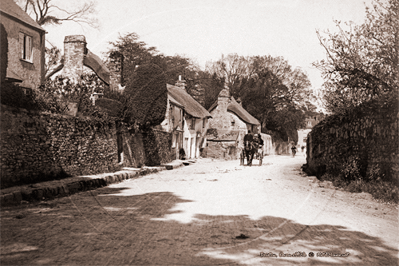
(177, 65)
(53, 58)
(145, 73)
(232, 69)
(146, 96)
(362, 60)
(46, 12)
(132, 53)
(270, 90)
(205, 88)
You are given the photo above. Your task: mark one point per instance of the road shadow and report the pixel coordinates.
(108, 227)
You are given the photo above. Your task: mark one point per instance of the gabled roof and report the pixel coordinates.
(239, 111)
(10, 8)
(191, 106)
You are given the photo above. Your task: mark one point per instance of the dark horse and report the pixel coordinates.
(249, 150)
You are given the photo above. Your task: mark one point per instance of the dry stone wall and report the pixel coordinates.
(42, 146)
(38, 147)
(366, 137)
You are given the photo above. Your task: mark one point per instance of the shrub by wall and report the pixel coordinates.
(157, 146)
(151, 147)
(361, 143)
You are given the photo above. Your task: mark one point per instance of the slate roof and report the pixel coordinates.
(239, 111)
(10, 8)
(191, 106)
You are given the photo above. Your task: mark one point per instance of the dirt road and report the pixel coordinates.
(208, 213)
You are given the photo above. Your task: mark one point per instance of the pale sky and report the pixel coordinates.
(204, 30)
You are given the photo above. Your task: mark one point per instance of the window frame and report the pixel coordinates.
(26, 46)
(192, 123)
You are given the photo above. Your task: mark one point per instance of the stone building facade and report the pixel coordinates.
(310, 122)
(228, 126)
(26, 46)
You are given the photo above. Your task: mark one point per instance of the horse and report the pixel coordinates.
(249, 150)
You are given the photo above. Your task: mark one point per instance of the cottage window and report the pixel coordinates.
(172, 116)
(26, 47)
(233, 123)
(192, 126)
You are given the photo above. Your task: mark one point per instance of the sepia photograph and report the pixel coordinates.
(199, 132)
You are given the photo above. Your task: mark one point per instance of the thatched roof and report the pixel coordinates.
(191, 106)
(239, 111)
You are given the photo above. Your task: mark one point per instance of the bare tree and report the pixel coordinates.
(47, 12)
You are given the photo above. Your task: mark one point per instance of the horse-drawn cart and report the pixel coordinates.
(250, 151)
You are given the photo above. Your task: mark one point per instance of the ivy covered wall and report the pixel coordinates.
(361, 143)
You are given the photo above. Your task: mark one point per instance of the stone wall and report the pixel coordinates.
(228, 150)
(366, 136)
(40, 146)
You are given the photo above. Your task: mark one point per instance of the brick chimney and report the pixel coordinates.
(224, 99)
(74, 51)
(181, 83)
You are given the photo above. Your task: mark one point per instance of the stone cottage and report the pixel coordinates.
(26, 46)
(187, 120)
(228, 126)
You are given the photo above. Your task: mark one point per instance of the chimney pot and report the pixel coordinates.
(181, 83)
